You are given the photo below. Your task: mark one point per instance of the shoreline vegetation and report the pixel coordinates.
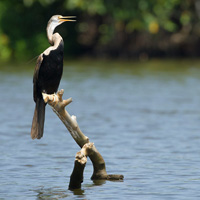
(107, 66)
(123, 30)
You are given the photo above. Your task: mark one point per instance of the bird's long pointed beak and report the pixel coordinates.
(67, 18)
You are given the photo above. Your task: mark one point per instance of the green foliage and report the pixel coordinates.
(23, 22)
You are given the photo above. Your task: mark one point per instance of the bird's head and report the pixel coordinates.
(56, 20)
(59, 19)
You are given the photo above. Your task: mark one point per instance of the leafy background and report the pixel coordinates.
(109, 29)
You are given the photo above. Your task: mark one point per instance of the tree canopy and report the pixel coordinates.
(103, 28)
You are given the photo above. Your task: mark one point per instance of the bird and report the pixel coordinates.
(48, 73)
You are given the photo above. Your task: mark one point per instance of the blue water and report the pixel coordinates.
(143, 118)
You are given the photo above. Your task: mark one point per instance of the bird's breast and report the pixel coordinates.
(51, 70)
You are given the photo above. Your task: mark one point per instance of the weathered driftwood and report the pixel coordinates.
(58, 106)
(87, 149)
(76, 177)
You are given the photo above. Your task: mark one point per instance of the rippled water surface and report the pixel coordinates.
(144, 118)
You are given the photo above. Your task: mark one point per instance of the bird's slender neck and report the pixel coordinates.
(52, 38)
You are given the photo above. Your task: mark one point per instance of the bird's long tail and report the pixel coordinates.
(38, 119)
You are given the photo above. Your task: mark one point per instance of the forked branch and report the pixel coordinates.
(87, 149)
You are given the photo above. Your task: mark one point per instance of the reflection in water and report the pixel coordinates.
(50, 193)
(144, 118)
(78, 192)
(102, 182)
(99, 182)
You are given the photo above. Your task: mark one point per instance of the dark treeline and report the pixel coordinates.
(104, 28)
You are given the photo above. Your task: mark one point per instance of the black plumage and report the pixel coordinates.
(47, 76)
(48, 73)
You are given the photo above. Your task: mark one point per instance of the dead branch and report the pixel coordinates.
(76, 177)
(87, 149)
(58, 105)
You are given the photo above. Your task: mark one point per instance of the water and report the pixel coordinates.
(144, 119)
